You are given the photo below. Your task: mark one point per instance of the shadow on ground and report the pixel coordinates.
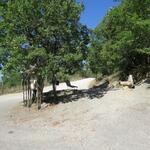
(65, 96)
(148, 82)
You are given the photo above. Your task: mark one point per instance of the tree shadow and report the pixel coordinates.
(148, 83)
(65, 96)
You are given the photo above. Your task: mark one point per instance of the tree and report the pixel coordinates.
(45, 34)
(122, 40)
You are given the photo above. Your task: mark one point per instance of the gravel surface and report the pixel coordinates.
(116, 120)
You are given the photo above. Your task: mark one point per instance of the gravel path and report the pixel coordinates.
(117, 121)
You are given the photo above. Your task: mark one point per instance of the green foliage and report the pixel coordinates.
(12, 80)
(122, 40)
(57, 41)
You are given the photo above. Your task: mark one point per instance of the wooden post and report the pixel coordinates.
(37, 99)
(28, 97)
(23, 91)
(29, 93)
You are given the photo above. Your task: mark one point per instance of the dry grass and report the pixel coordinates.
(7, 90)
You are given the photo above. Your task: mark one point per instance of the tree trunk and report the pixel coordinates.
(40, 86)
(29, 93)
(24, 88)
(54, 89)
(39, 97)
(148, 60)
(54, 86)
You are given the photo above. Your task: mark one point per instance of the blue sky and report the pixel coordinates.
(95, 10)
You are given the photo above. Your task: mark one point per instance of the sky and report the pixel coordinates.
(95, 10)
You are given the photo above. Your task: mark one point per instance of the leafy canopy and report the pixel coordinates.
(122, 40)
(43, 33)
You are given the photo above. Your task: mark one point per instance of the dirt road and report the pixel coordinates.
(117, 120)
